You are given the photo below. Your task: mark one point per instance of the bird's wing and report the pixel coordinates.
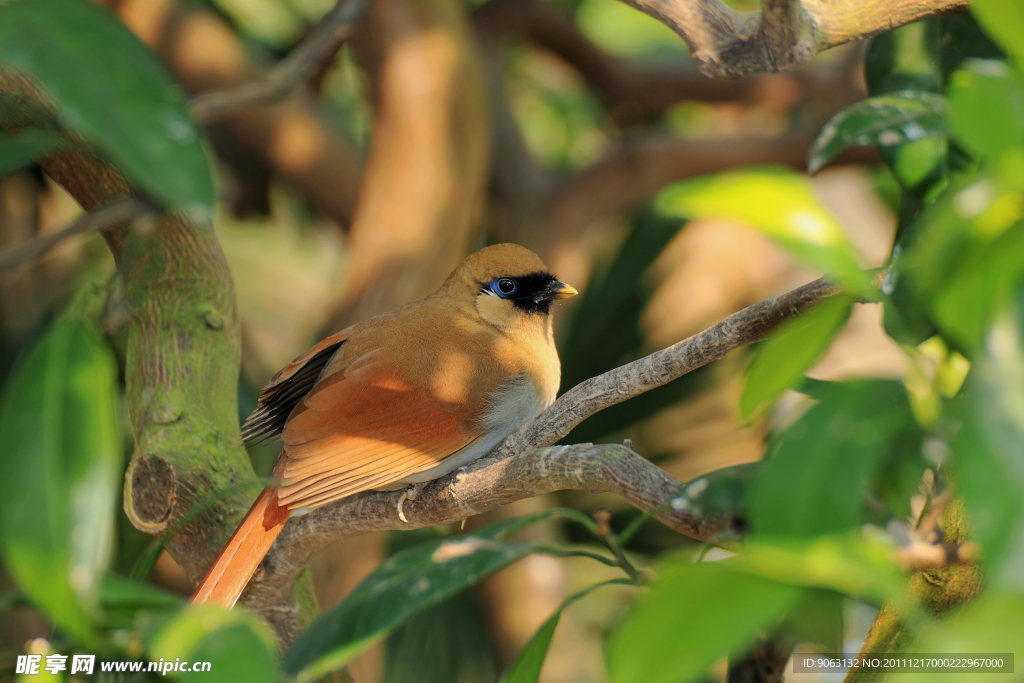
(361, 429)
(286, 389)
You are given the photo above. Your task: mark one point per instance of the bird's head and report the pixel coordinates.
(509, 285)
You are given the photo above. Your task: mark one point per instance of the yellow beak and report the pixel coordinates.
(563, 291)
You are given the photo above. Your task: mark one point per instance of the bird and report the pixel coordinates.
(400, 399)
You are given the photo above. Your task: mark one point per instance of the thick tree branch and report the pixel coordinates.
(320, 46)
(181, 365)
(525, 466)
(785, 34)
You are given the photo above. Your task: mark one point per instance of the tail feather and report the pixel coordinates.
(227, 577)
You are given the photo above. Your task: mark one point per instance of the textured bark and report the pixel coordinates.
(189, 478)
(481, 486)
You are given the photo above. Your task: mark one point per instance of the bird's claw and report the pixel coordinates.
(408, 494)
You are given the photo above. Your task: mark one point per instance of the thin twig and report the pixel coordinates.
(121, 211)
(321, 45)
(603, 517)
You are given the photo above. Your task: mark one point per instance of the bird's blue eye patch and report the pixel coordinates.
(504, 287)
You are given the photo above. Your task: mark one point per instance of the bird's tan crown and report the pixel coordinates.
(496, 261)
(503, 259)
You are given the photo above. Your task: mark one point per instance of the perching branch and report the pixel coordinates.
(526, 465)
(785, 34)
(118, 213)
(321, 45)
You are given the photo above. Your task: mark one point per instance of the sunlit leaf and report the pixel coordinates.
(403, 585)
(110, 87)
(781, 204)
(1004, 20)
(238, 645)
(782, 359)
(528, 663)
(18, 151)
(62, 458)
(816, 476)
(886, 121)
(851, 564)
(693, 615)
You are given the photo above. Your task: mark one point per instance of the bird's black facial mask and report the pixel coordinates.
(531, 293)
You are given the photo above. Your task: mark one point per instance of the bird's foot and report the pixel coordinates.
(408, 494)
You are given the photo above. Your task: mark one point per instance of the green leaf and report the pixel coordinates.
(238, 645)
(693, 615)
(1003, 20)
(819, 619)
(784, 357)
(903, 59)
(61, 472)
(403, 585)
(988, 625)
(18, 151)
(986, 108)
(989, 448)
(696, 613)
(817, 476)
(885, 121)
(528, 663)
(851, 563)
(960, 38)
(123, 599)
(982, 281)
(111, 88)
(781, 204)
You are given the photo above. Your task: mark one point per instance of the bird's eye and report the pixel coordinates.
(507, 286)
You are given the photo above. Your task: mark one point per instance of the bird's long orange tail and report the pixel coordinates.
(234, 566)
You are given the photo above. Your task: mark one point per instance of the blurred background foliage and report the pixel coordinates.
(883, 427)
